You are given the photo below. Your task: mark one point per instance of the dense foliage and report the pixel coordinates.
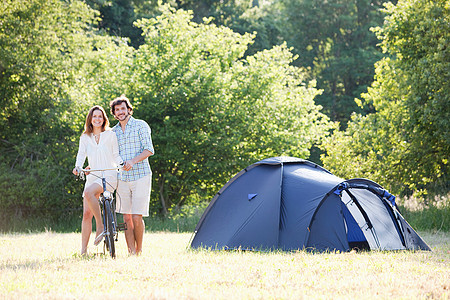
(53, 66)
(405, 144)
(223, 92)
(331, 38)
(212, 111)
(42, 49)
(334, 40)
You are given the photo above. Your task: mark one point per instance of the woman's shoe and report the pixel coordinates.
(99, 238)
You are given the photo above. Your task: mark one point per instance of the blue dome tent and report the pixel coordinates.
(289, 203)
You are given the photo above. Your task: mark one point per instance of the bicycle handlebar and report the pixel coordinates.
(100, 170)
(81, 172)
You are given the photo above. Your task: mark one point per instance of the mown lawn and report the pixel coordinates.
(46, 265)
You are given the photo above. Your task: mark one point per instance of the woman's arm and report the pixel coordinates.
(81, 155)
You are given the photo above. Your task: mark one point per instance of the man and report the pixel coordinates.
(134, 184)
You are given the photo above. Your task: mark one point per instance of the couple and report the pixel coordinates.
(131, 141)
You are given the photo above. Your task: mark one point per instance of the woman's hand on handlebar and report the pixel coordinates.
(87, 168)
(76, 171)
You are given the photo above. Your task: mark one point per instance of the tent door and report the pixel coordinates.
(362, 221)
(355, 236)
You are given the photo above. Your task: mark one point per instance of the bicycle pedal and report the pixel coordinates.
(122, 226)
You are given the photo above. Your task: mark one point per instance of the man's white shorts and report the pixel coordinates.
(133, 197)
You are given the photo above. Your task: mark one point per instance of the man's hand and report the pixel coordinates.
(128, 165)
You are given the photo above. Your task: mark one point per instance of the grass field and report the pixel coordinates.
(46, 265)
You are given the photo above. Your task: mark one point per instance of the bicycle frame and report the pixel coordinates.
(108, 212)
(109, 218)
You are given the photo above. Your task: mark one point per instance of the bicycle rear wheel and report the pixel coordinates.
(109, 237)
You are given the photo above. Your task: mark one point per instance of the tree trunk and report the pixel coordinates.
(161, 195)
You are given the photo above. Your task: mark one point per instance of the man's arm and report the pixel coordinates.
(130, 163)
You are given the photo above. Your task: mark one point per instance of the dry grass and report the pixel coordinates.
(46, 265)
(418, 204)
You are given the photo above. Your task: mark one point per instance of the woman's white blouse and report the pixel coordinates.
(103, 155)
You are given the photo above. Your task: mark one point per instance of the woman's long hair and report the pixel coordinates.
(88, 128)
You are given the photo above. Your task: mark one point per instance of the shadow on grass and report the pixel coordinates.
(66, 223)
(183, 220)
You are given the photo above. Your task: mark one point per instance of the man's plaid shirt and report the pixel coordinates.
(135, 139)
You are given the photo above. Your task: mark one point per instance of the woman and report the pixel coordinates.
(99, 144)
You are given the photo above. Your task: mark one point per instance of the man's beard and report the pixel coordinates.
(124, 117)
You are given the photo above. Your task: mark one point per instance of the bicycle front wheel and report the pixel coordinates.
(109, 237)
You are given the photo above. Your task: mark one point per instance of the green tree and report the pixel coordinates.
(405, 145)
(212, 112)
(53, 66)
(244, 16)
(334, 40)
(117, 17)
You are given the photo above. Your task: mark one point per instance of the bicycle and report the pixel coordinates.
(108, 212)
